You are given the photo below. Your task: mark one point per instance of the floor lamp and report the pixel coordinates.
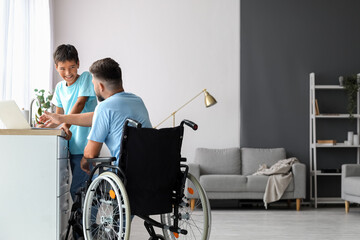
(209, 101)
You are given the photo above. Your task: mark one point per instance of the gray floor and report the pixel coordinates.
(280, 223)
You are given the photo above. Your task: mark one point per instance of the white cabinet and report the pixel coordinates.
(34, 187)
(315, 160)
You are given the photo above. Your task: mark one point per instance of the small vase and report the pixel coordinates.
(341, 81)
(356, 139)
(350, 137)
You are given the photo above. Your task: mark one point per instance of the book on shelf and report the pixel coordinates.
(326, 142)
(317, 112)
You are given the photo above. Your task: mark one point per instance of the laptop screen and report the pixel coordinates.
(11, 116)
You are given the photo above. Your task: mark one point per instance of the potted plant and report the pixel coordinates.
(45, 103)
(351, 87)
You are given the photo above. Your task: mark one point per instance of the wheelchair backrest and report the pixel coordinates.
(150, 159)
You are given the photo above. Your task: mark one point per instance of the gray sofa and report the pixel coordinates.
(350, 184)
(227, 173)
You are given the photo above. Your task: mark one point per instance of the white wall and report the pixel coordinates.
(168, 51)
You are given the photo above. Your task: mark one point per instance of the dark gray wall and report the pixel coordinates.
(282, 41)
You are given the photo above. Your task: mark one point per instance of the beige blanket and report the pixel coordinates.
(279, 179)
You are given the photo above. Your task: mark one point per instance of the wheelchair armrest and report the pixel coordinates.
(101, 160)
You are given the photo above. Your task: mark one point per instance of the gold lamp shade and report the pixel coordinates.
(209, 100)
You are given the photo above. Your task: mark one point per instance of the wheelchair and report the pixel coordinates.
(150, 179)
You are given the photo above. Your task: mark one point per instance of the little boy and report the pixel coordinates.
(73, 95)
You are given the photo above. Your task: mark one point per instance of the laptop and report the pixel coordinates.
(11, 116)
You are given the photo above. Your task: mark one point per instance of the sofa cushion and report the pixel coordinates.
(223, 183)
(352, 185)
(218, 161)
(252, 158)
(257, 183)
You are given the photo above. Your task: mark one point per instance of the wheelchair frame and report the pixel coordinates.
(178, 194)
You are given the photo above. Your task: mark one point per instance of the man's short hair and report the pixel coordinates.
(65, 52)
(108, 71)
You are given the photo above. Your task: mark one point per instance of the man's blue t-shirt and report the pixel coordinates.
(65, 97)
(110, 116)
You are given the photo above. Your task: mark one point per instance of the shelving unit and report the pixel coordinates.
(315, 173)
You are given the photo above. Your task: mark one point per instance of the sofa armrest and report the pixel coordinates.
(349, 170)
(299, 173)
(194, 169)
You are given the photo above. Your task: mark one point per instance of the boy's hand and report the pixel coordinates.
(50, 118)
(67, 131)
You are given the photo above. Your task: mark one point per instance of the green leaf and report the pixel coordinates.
(47, 105)
(351, 87)
(36, 90)
(39, 111)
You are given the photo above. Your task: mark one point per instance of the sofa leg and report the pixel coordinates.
(289, 203)
(347, 204)
(192, 204)
(298, 203)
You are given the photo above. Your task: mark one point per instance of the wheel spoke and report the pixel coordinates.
(106, 209)
(197, 221)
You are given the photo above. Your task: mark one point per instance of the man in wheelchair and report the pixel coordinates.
(144, 177)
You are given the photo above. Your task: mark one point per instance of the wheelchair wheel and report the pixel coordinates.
(106, 212)
(195, 213)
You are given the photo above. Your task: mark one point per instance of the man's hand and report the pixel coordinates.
(85, 166)
(67, 131)
(92, 150)
(50, 119)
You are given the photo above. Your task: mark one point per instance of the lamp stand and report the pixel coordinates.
(173, 114)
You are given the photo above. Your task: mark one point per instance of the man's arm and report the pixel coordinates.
(92, 150)
(77, 108)
(82, 119)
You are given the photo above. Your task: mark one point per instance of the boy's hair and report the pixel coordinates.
(65, 52)
(108, 71)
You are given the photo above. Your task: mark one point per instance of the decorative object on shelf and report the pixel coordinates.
(209, 101)
(351, 86)
(317, 112)
(350, 137)
(43, 103)
(356, 139)
(341, 81)
(326, 142)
